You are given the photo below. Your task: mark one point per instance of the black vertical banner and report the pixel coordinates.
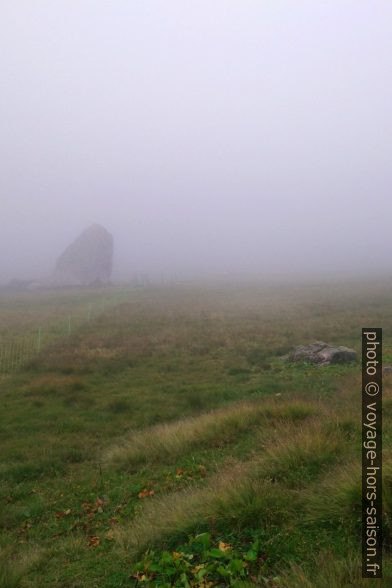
(372, 453)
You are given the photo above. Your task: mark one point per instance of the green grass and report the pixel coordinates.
(171, 415)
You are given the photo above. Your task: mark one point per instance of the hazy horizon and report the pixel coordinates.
(207, 137)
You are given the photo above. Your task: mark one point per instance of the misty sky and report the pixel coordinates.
(206, 135)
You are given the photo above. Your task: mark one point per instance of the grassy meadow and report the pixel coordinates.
(167, 442)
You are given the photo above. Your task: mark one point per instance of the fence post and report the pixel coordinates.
(39, 339)
(12, 357)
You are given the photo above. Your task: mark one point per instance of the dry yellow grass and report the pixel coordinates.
(169, 441)
(260, 489)
(327, 572)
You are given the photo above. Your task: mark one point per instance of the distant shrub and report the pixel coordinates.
(195, 401)
(119, 405)
(235, 371)
(41, 391)
(257, 357)
(77, 386)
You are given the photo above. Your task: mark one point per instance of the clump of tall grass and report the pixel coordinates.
(310, 451)
(327, 571)
(338, 497)
(13, 568)
(232, 498)
(167, 442)
(245, 495)
(10, 574)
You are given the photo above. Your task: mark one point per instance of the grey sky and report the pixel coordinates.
(209, 135)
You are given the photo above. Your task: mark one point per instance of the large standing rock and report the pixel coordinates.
(323, 354)
(88, 260)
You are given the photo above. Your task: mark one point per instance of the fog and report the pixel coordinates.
(207, 136)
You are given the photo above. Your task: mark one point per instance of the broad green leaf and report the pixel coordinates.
(251, 555)
(204, 539)
(236, 565)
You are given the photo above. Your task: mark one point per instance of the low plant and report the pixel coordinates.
(201, 561)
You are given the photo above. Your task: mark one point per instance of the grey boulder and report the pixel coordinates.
(321, 353)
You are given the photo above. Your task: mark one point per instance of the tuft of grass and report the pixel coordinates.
(338, 498)
(120, 405)
(168, 442)
(10, 575)
(328, 570)
(22, 472)
(254, 493)
(302, 456)
(15, 567)
(232, 497)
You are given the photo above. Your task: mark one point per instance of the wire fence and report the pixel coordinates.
(14, 354)
(17, 350)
